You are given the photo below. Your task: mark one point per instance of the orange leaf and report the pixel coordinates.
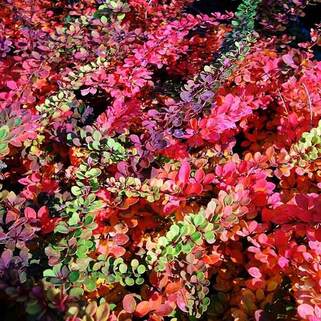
(173, 287)
(142, 308)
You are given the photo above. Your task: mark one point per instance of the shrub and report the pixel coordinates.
(159, 164)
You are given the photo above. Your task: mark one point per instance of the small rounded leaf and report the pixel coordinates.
(129, 303)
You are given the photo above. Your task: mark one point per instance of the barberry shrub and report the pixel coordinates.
(159, 161)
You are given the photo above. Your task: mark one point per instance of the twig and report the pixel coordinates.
(283, 101)
(309, 103)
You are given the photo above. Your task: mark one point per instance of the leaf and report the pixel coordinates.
(73, 276)
(30, 213)
(74, 219)
(305, 310)
(11, 84)
(142, 309)
(199, 219)
(123, 268)
(103, 312)
(33, 308)
(209, 237)
(90, 284)
(134, 263)
(173, 287)
(120, 239)
(184, 173)
(94, 172)
(129, 281)
(76, 292)
(104, 20)
(129, 303)
(49, 273)
(165, 309)
(4, 132)
(76, 190)
(117, 251)
(255, 272)
(97, 135)
(197, 237)
(141, 269)
(62, 228)
(91, 308)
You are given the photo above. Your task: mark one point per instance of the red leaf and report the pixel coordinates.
(120, 239)
(195, 188)
(129, 303)
(211, 259)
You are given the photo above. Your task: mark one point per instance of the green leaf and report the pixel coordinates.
(90, 284)
(94, 172)
(74, 220)
(199, 219)
(129, 281)
(228, 200)
(141, 269)
(209, 237)
(104, 20)
(134, 263)
(88, 220)
(76, 292)
(162, 241)
(140, 281)
(33, 308)
(4, 148)
(122, 268)
(73, 276)
(76, 190)
(197, 237)
(187, 248)
(49, 273)
(4, 132)
(82, 251)
(97, 135)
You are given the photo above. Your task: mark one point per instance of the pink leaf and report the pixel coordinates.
(255, 272)
(129, 303)
(85, 92)
(11, 84)
(305, 310)
(283, 262)
(30, 213)
(184, 173)
(6, 257)
(43, 212)
(117, 251)
(165, 309)
(288, 59)
(181, 302)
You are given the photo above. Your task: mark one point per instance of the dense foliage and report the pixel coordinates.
(158, 162)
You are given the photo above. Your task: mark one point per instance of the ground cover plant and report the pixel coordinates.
(160, 160)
